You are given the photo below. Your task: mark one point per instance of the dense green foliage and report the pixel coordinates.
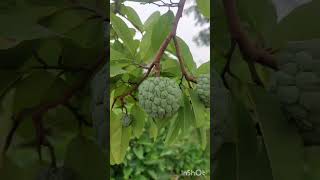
(50, 51)
(297, 85)
(143, 97)
(148, 86)
(147, 159)
(260, 141)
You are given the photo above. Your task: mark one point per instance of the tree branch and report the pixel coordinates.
(38, 111)
(248, 49)
(226, 68)
(181, 62)
(81, 118)
(156, 61)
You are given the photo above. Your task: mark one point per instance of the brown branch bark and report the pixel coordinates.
(181, 62)
(226, 68)
(156, 61)
(38, 111)
(248, 49)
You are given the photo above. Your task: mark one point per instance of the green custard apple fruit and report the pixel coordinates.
(126, 120)
(203, 89)
(160, 97)
(297, 85)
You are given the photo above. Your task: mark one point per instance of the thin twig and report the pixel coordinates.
(181, 62)
(39, 59)
(254, 74)
(156, 61)
(226, 68)
(246, 46)
(81, 119)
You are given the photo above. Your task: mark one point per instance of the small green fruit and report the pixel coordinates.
(203, 89)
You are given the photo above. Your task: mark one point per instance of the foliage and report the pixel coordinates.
(148, 75)
(260, 142)
(297, 86)
(146, 159)
(50, 51)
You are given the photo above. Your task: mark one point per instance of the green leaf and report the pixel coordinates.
(188, 115)
(153, 130)
(227, 164)
(169, 67)
(160, 34)
(138, 152)
(28, 93)
(6, 106)
(50, 50)
(260, 15)
(283, 143)
(138, 121)
(152, 19)
(247, 146)
(89, 34)
(11, 34)
(202, 137)
(132, 16)
(117, 55)
(116, 69)
(198, 109)
(312, 162)
(67, 19)
(10, 170)
(86, 159)
(204, 7)
(145, 49)
(299, 20)
(8, 79)
(186, 54)
(174, 128)
(120, 137)
(220, 37)
(203, 68)
(124, 33)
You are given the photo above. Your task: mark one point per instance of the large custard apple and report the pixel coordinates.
(297, 85)
(160, 97)
(203, 89)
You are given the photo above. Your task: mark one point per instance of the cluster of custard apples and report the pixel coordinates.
(297, 86)
(161, 97)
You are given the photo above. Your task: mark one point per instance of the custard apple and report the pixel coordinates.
(126, 120)
(297, 85)
(160, 97)
(203, 89)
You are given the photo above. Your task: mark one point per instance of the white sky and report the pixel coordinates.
(186, 28)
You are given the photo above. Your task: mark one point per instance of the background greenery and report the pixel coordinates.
(154, 148)
(50, 52)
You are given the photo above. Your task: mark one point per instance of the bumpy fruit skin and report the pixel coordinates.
(126, 120)
(203, 89)
(160, 97)
(297, 85)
